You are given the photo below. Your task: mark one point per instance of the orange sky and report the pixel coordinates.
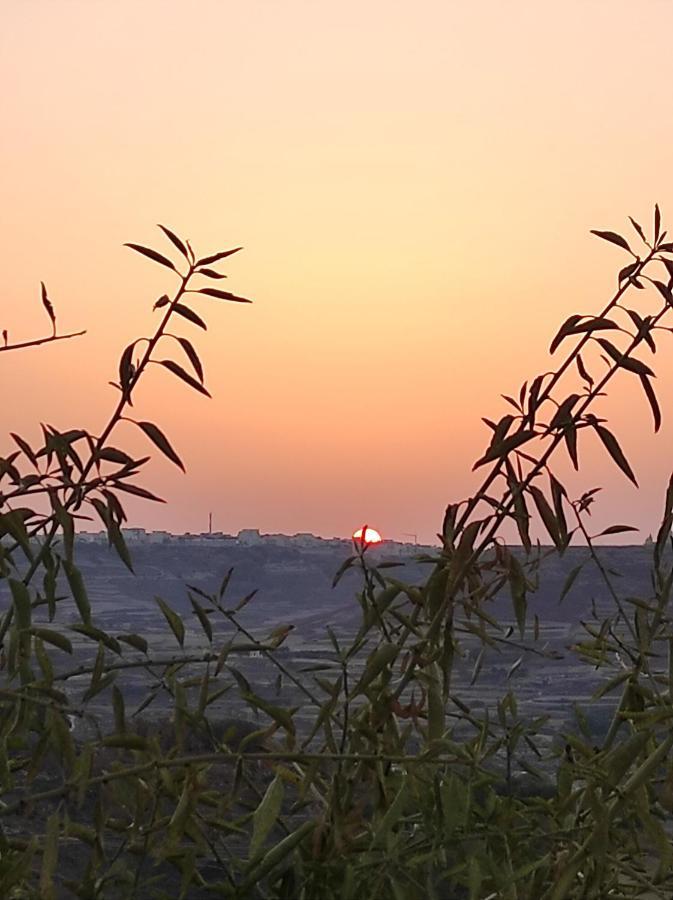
(414, 187)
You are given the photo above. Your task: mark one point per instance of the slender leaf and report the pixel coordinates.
(185, 376)
(223, 295)
(153, 255)
(175, 240)
(46, 302)
(613, 238)
(192, 356)
(612, 446)
(652, 399)
(190, 315)
(217, 256)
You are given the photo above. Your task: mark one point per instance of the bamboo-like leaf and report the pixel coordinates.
(25, 448)
(217, 256)
(628, 271)
(50, 857)
(78, 591)
(203, 618)
(119, 710)
(190, 315)
(210, 273)
(126, 741)
(280, 715)
(175, 240)
(561, 417)
(503, 448)
(160, 440)
(265, 816)
(582, 370)
(547, 516)
(22, 605)
(174, 621)
(112, 454)
(652, 399)
(616, 529)
(570, 437)
(223, 295)
(595, 324)
(53, 637)
(135, 641)
(664, 290)
(382, 657)
(611, 444)
(392, 815)
(563, 332)
(162, 301)
(657, 222)
(185, 376)
(153, 255)
(192, 356)
(626, 362)
(127, 371)
(639, 230)
(137, 491)
(613, 238)
(46, 302)
(517, 586)
(275, 856)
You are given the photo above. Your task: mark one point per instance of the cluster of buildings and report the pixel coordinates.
(247, 537)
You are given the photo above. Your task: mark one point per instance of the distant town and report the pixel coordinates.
(252, 537)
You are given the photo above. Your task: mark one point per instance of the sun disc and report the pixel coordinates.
(371, 536)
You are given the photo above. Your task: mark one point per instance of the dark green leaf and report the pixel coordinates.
(203, 618)
(22, 605)
(78, 591)
(135, 641)
(173, 619)
(53, 637)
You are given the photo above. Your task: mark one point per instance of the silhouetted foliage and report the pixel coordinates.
(396, 787)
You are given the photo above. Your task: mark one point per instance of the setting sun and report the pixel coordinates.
(371, 536)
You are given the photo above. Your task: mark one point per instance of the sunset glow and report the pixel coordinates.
(414, 192)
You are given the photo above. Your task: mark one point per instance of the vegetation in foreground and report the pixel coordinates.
(398, 789)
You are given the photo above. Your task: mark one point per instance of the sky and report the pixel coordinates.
(414, 188)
